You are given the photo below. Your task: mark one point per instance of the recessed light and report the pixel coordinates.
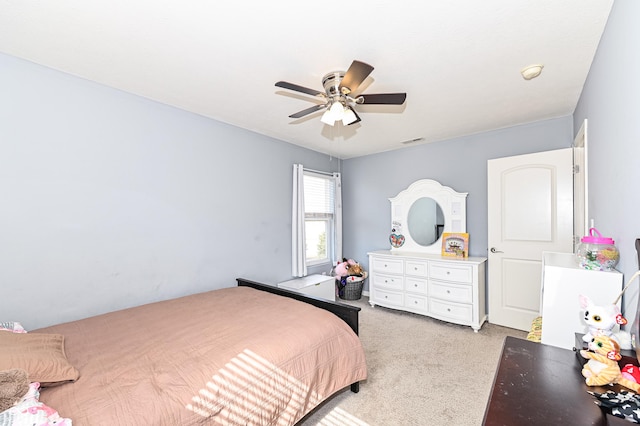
(532, 71)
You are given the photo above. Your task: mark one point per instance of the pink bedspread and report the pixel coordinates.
(235, 356)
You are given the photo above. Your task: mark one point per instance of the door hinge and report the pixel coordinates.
(576, 169)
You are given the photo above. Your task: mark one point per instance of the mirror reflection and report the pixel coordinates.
(425, 221)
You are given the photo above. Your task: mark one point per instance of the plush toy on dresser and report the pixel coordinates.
(604, 320)
(602, 366)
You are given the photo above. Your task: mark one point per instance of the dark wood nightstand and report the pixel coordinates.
(537, 384)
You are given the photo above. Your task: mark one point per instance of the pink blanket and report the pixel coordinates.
(235, 356)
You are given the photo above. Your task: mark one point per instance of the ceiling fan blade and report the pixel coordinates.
(383, 99)
(355, 75)
(291, 86)
(358, 119)
(308, 111)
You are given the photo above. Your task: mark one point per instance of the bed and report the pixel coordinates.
(246, 355)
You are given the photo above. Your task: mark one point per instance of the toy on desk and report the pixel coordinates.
(631, 372)
(602, 365)
(604, 320)
(623, 404)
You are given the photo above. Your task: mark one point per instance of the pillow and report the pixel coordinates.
(12, 326)
(40, 355)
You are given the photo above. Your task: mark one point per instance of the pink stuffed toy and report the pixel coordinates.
(342, 268)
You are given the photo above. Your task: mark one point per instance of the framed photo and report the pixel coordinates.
(455, 244)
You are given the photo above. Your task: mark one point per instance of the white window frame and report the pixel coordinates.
(327, 217)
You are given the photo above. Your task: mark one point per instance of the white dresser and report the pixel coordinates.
(448, 289)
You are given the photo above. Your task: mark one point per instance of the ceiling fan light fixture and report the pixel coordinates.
(337, 110)
(338, 100)
(349, 116)
(327, 118)
(334, 113)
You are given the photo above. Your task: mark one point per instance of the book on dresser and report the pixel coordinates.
(445, 288)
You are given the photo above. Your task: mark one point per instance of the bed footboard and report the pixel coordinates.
(347, 313)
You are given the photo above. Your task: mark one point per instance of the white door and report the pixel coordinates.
(530, 209)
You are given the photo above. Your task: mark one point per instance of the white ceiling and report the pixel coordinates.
(458, 60)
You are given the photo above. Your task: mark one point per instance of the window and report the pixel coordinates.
(319, 218)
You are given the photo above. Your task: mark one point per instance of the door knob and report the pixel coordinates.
(493, 250)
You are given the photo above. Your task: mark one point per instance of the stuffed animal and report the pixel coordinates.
(355, 269)
(14, 384)
(604, 320)
(341, 269)
(347, 267)
(631, 373)
(602, 366)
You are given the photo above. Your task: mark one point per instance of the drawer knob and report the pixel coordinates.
(448, 309)
(448, 291)
(415, 285)
(385, 265)
(415, 301)
(415, 269)
(448, 272)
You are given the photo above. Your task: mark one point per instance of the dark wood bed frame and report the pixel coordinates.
(347, 313)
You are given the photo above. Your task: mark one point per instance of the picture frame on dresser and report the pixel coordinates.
(455, 244)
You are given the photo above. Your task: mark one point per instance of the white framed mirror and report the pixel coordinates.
(424, 211)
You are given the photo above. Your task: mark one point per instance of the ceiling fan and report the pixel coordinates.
(339, 99)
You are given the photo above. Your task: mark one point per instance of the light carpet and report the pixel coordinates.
(421, 372)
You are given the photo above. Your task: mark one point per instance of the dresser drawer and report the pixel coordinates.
(450, 272)
(390, 266)
(415, 268)
(454, 311)
(388, 298)
(451, 292)
(415, 303)
(415, 285)
(392, 282)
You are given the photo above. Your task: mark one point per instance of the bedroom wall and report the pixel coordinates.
(461, 163)
(109, 200)
(610, 102)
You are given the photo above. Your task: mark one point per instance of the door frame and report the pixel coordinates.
(580, 184)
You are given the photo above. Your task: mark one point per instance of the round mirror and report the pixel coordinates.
(425, 221)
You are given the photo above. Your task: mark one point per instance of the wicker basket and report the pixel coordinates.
(353, 289)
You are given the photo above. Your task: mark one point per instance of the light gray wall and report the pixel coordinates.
(369, 182)
(610, 102)
(109, 200)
